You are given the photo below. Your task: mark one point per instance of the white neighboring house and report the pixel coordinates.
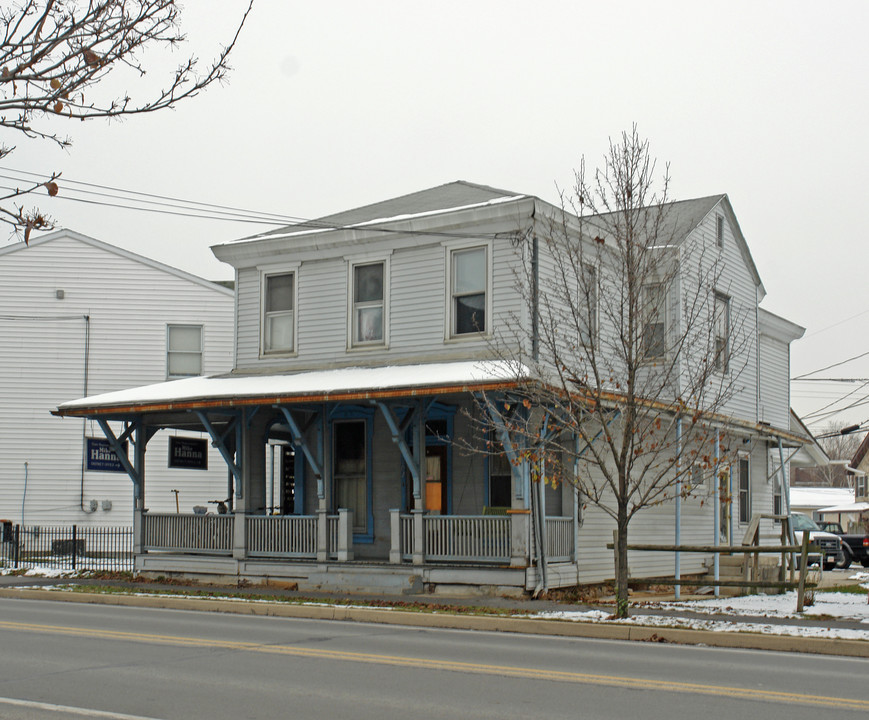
(80, 316)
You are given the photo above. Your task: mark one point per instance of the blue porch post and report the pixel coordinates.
(419, 497)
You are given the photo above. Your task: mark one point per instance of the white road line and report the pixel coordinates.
(85, 712)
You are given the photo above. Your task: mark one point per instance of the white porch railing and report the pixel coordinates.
(560, 540)
(209, 534)
(282, 536)
(460, 538)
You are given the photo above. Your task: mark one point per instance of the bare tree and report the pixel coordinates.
(633, 347)
(55, 60)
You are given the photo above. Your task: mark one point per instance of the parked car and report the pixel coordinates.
(830, 545)
(854, 546)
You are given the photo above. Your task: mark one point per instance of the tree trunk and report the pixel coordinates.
(622, 563)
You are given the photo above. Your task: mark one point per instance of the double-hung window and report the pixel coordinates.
(368, 304)
(654, 304)
(469, 279)
(721, 326)
(279, 312)
(587, 319)
(183, 350)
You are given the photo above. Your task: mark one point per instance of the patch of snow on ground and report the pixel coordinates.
(845, 606)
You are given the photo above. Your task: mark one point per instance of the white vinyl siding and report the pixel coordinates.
(128, 302)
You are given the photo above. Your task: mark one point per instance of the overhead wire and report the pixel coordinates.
(211, 211)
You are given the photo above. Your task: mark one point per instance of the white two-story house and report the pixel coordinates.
(367, 346)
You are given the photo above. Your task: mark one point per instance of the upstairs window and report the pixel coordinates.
(721, 323)
(368, 316)
(183, 350)
(588, 315)
(654, 302)
(468, 288)
(279, 318)
(719, 230)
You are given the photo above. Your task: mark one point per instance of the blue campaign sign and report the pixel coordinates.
(101, 457)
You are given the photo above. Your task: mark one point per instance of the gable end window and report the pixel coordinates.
(367, 304)
(719, 230)
(183, 351)
(279, 313)
(588, 317)
(654, 339)
(468, 289)
(721, 322)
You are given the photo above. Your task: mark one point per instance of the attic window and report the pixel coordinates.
(719, 230)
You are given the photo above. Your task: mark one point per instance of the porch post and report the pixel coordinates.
(139, 490)
(243, 495)
(345, 535)
(395, 536)
(520, 527)
(324, 490)
(419, 498)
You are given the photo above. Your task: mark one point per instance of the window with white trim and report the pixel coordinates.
(183, 351)
(279, 313)
(861, 487)
(469, 275)
(654, 304)
(721, 327)
(367, 304)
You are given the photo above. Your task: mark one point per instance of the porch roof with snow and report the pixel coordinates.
(344, 384)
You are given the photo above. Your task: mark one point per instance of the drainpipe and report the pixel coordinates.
(24, 494)
(677, 572)
(716, 522)
(535, 292)
(87, 352)
(784, 487)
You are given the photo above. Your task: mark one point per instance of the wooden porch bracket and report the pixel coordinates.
(300, 442)
(504, 437)
(118, 446)
(398, 438)
(219, 442)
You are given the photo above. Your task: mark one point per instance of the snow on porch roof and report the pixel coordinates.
(339, 384)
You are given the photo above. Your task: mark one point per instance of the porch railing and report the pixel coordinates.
(472, 538)
(560, 540)
(208, 534)
(282, 536)
(405, 537)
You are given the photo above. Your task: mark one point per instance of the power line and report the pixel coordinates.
(212, 211)
(813, 372)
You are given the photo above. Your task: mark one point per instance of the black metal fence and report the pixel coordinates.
(70, 547)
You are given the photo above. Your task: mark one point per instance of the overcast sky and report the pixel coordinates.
(332, 105)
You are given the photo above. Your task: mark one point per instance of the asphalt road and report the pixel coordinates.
(64, 660)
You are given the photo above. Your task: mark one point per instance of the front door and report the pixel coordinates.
(436, 479)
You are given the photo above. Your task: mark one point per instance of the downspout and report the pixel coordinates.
(535, 290)
(677, 571)
(87, 352)
(785, 489)
(24, 494)
(716, 522)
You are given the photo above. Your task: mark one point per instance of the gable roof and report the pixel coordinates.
(443, 197)
(99, 244)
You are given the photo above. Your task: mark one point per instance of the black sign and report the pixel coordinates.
(101, 457)
(191, 453)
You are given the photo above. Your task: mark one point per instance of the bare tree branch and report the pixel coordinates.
(56, 55)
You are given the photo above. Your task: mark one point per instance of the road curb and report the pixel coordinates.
(531, 626)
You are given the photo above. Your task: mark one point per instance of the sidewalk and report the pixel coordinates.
(651, 621)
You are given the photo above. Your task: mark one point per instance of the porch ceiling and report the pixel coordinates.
(344, 384)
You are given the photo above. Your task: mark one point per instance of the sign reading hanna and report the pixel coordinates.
(188, 453)
(101, 457)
